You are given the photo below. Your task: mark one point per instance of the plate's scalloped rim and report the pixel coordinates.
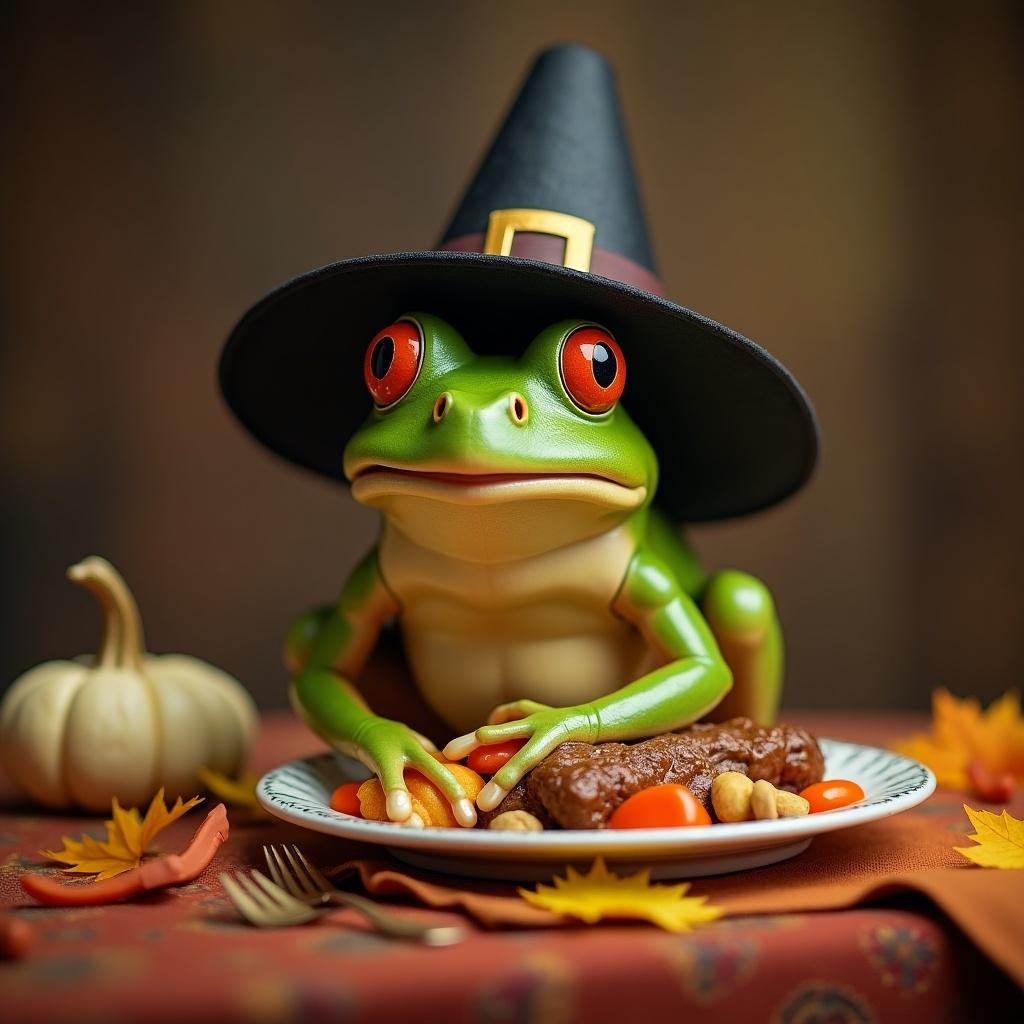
(299, 792)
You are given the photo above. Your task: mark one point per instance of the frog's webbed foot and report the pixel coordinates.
(740, 611)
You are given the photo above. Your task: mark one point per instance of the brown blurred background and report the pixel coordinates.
(840, 181)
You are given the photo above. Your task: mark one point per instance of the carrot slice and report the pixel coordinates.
(346, 799)
(667, 805)
(832, 793)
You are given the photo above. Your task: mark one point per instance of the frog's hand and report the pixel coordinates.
(324, 696)
(543, 731)
(388, 749)
(693, 681)
(514, 711)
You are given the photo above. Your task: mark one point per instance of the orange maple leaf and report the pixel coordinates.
(962, 734)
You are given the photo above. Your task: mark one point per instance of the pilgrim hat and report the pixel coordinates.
(551, 228)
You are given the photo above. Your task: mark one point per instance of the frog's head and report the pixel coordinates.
(493, 458)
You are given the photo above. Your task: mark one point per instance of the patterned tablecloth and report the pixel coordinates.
(183, 955)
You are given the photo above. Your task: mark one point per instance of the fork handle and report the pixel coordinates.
(387, 923)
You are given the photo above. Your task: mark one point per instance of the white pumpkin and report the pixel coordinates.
(125, 723)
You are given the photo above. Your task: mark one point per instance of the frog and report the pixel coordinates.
(541, 593)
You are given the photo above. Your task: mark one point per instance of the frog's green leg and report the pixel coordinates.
(301, 636)
(742, 616)
(324, 697)
(692, 682)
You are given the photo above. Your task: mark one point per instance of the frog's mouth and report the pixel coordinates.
(373, 482)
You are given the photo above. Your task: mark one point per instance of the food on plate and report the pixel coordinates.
(515, 821)
(664, 806)
(731, 793)
(430, 807)
(736, 798)
(832, 793)
(762, 801)
(346, 799)
(487, 760)
(580, 785)
(729, 772)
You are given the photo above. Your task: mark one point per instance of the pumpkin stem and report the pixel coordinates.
(122, 644)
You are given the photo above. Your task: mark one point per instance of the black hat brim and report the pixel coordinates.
(733, 430)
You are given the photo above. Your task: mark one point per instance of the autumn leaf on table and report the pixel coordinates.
(1000, 839)
(967, 744)
(128, 837)
(240, 792)
(600, 894)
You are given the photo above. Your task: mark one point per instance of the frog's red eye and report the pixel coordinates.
(593, 369)
(392, 362)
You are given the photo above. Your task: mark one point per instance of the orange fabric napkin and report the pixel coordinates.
(910, 852)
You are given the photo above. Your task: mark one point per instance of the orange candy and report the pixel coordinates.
(427, 800)
(346, 799)
(665, 806)
(487, 760)
(832, 793)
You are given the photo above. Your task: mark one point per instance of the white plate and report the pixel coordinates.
(300, 792)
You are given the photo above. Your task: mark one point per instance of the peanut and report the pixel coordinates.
(516, 821)
(790, 805)
(736, 798)
(762, 800)
(730, 796)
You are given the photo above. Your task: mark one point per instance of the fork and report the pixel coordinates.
(305, 882)
(266, 904)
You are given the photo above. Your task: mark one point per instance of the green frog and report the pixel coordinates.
(540, 593)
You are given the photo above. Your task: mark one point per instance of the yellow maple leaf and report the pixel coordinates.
(1000, 839)
(128, 837)
(240, 792)
(962, 734)
(600, 894)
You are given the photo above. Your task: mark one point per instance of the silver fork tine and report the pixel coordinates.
(300, 875)
(249, 908)
(314, 873)
(279, 896)
(272, 867)
(282, 876)
(262, 902)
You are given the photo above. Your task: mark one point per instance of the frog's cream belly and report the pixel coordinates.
(539, 628)
(464, 675)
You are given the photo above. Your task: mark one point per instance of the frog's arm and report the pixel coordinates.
(301, 635)
(690, 684)
(323, 695)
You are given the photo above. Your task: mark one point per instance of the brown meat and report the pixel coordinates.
(579, 785)
(784, 755)
(518, 799)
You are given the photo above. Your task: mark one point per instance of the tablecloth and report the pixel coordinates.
(183, 955)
